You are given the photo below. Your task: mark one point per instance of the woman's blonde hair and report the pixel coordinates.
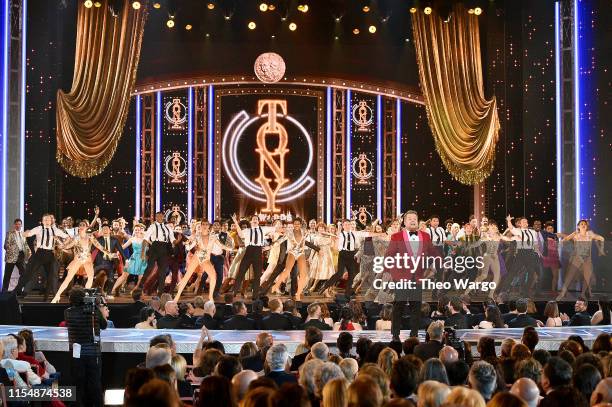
(334, 393)
(464, 397)
(432, 393)
(386, 359)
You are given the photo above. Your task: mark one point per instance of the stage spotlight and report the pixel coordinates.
(156, 5)
(356, 31)
(207, 35)
(210, 5)
(271, 7)
(293, 26)
(372, 29)
(427, 10)
(336, 38)
(263, 7)
(413, 10)
(478, 11)
(407, 40)
(252, 25)
(170, 23)
(188, 27)
(88, 4)
(366, 9)
(136, 5)
(471, 11)
(303, 7)
(97, 4)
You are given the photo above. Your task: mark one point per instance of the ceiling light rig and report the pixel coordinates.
(88, 4)
(170, 23)
(356, 31)
(252, 25)
(303, 7)
(427, 10)
(156, 5)
(372, 29)
(136, 5)
(263, 7)
(293, 26)
(210, 5)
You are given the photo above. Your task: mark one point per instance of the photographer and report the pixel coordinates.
(84, 321)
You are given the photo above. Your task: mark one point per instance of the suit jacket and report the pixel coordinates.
(296, 322)
(282, 377)
(317, 324)
(428, 350)
(580, 319)
(254, 363)
(507, 317)
(276, 322)
(298, 360)
(458, 320)
(207, 321)
(168, 322)
(114, 247)
(522, 321)
(239, 322)
(12, 249)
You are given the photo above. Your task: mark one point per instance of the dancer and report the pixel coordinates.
(204, 243)
(136, 263)
(105, 265)
(274, 255)
(254, 241)
(81, 245)
(43, 256)
(322, 265)
(161, 239)
(550, 260)
(17, 253)
(580, 262)
(295, 256)
(525, 267)
(236, 258)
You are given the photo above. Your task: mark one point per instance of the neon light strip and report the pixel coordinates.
(24, 15)
(348, 168)
(190, 154)
(398, 156)
(558, 117)
(211, 154)
(379, 147)
(138, 155)
(158, 137)
(577, 108)
(4, 114)
(328, 162)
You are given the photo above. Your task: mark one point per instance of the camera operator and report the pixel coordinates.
(84, 321)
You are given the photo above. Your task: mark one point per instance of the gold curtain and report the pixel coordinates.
(91, 117)
(464, 124)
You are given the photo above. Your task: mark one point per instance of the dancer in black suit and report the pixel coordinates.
(161, 238)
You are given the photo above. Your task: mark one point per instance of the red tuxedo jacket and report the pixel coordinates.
(417, 250)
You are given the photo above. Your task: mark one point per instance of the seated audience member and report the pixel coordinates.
(324, 373)
(241, 382)
(37, 367)
(448, 354)
(527, 390)
(384, 323)
(432, 394)
(433, 369)
(167, 374)
(486, 349)
(171, 318)
(456, 319)
(385, 359)
(492, 318)
(483, 378)
(461, 396)
(551, 313)
(334, 393)
(155, 392)
(263, 342)
(247, 350)
(292, 314)
(376, 373)
(9, 359)
(541, 355)
(312, 335)
(307, 378)
(207, 318)
(505, 399)
(314, 318)
(134, 380)
(520, 352)
(319, 351)
(163, 338)
(344, 343)
(198, 306)
(276, 321)
(364, 392)
(565, 396)
(227, 366)
(528, 368)
(179, 364)
(581, 316)
(349, 367)
(522, 320)
(362, 347)
(133, 309)
(571, 346)
(556, 374)
(603, 343)
(216, 391)
(432, 347)
(506, 347)
(259, 396)
(205, 364)
(585, 379)
(147, 319)
(410, 343)
(603, 315)
(602, 392)
(404, 379)
(276, 359)
(186, 320)
(31, 351)
(512, 312)
(346, 321)
(239, 321)
(530, 338)
(158, 355)
(457, 373)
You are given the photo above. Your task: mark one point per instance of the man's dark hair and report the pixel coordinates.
(134, 379)
(137, 294)
(312, 335)
(585, 379)
(409, 345)
(457, 373)
(541, 355)
(17, 220)
(558, 372)
(237, 306)
(214, 345)
(228, 298)
(396, 346)
(530, 338)
(404, 378)
(228, 366)
(456, 303)
(289, 305)
(344, 343)
(564, 396)
(511, 305)
(76, 296)
(362, 347)
(163, 338)
(521, 305)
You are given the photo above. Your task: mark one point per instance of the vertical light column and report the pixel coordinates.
(211, 155)
(328, 159)
(158, 159)
(398, 157)
(138, 156)
(348, 167)
(4, 26)
(577, 107)
(190, 154)
(379, 152)
(24, 36)
(559, 139)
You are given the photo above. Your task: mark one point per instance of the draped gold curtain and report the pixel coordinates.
(91, 117)
(464, 124)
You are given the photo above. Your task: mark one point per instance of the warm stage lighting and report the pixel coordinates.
(303, 8)
(471, 11)
(252, 25)
(210, 5)
(356, 31)
(136, 5)
(366, 9)
(478, 11)
(427, 10)
(372, 29)
(413, 10)
(170, 23)
(271, 7)
(88, 3)
(156, 5)
(293, 26)
(97, 4)
(188, 27)
(263, 7)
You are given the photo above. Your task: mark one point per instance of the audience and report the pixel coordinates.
(434, 345)
(276, 360)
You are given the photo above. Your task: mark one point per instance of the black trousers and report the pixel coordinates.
(252, 257)
(158, 253)
(8, 270)
(399, 308)
(217, 262)
(87, 377)
(41, 258)
(278, 269)
(346, 260)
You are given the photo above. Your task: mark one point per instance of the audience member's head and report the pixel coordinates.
(602, 392)
(167, 374)
(276, 357)
(179, 364)
(585, 379)
(312, 335)
(228, 366)
(505, 399)
(541, 355)
(527, 390)
(362, 347)
(457, 373)
(483, 378)
(404, 377)
(557, 372)
(334, 393)
(602, 343)
(208, 361)
(376, 373)
(409, 344)
(275, 305)
(448, 354)
(571, 346)
(319, 351)
(464, 397)
(216, 391)
(344, 343)
(240, 383)
(506, 347)
(307, 375)
(520, 352)
(433, 369)
(158, 355)
(530, 338)
(386, 359)
(435, 330)
(528, 368)
(134, 380)
(239, 308)
(349, 367)
(364, 392)
(156, 392)
(432, 394)
(324, 373)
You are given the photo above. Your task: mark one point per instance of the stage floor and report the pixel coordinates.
(137, 340)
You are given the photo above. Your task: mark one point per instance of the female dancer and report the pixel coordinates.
(322, 265)
(278, 237)
(203, 242)
(551, 259)
(295, 255)
(82, 258)
(136, 263)
(580, 261)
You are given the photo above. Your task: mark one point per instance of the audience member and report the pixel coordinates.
(527, 390)
(276, 360)
(432, 347)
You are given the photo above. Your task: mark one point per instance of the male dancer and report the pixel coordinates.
(217, 255)
(161, 238)
(254, 239)
(526, 266)
(16, 254)
(43, 256)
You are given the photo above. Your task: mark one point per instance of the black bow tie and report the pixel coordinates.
(413, 233)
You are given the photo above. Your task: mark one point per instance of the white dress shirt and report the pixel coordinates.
(159, 232)
(255, 236)
(437, 235)
(350, 240)
(45, 236)
(525, 238)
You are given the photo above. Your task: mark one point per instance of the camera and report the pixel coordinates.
(450, 339)
(92, 299)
